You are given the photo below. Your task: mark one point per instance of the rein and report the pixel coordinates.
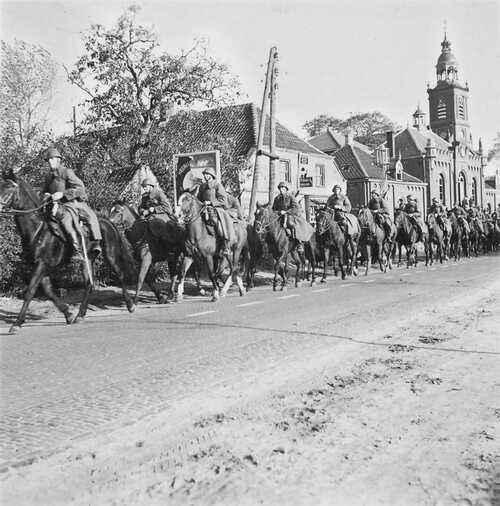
(264, 228)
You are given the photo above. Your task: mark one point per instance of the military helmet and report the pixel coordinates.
(410, 196)
(209, 170)
(148, 181)
(282, 185)
(375, 192)
(52, 153)
(336, 186)
(435, 199)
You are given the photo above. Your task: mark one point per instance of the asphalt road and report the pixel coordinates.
(63, 382)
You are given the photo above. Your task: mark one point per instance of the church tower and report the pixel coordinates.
(449, 100)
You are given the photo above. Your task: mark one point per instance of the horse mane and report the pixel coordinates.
(28, 190)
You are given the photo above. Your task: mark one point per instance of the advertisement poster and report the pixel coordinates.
(190, 166)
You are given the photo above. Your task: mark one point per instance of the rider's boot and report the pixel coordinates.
(387, 229)
(299, 247)
(97, 248)
(77, 253)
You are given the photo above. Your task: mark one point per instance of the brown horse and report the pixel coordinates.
(437, 237)
(202, 245)
(407, 235)
(329, 238)
(459, 236)
(47, 250)
(373, 235)
(268, 228)
(150, 249)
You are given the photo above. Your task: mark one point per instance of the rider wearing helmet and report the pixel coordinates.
(286, 205)
(154, 202)
(379, 207)
(341, 204)
(63, 186)
(411, 209)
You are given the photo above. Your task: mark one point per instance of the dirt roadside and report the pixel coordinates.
(413, 419)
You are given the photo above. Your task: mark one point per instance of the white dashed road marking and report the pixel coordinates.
(250, 303)
(202, 313)
(368, 281)
(320, 290)
(288, 296)
(347, 284)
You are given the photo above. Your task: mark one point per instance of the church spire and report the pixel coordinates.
(447, 65)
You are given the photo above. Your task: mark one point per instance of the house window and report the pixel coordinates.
(474, 191)
(320, 175)
(286, 171)
(442, 190)
(441, 109)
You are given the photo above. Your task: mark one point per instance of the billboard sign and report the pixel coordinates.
(188, 168)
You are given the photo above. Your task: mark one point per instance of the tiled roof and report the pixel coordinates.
(411, 142)
(330, 141)
(240, 122)
(356, 163)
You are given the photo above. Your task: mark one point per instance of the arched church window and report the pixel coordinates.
(442, 192)
(461, 187)
(441, 109)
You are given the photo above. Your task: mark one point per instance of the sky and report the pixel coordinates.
(337, 57)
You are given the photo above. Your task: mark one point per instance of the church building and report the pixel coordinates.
(443, 154)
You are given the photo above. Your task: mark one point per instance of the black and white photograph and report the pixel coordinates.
(250, 253)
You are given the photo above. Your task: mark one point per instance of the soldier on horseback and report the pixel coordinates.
(379, 207)
(439, 211)
(154, 203)
(473, 216)
(411, 209)
(341, 204)
(287, 206)
(64, 187)
(215, 198)
(461, 215)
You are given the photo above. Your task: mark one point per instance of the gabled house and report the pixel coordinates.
(386, 174)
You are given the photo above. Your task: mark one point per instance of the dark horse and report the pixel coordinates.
(150, 248)
(407, 235)
(49, 251)
(437, 236)
(373, 235)
(475, 235)
(202, 245)
(267, 226)
(329, 238)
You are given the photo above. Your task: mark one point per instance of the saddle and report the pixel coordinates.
(55, 227)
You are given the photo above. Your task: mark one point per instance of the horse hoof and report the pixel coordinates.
(78, 319)
(163, 300)
(202, 292)
(131, 307)
(274, 288)
(14, 329)
(215, 299)
(70, 318)
(323, 280)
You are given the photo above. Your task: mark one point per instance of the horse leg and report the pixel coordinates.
(297, 258)
(146, 259)
(233, 270)
(368, 254)
(82, 310)
(213, 278)
(49, 292)
(186, 263)
(284, 283)
(381, 255)
(112, 256)
(28, 296)
(326, 257)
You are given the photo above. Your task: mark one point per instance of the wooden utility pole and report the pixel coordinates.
(273, 55)
(274, 160)
(73, 121)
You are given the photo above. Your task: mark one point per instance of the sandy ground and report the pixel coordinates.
(411, 419)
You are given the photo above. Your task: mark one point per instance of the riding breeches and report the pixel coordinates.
(85, 214)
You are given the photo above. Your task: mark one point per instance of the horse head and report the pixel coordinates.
(324, 218)
(188, 208)
(262, 218)
(9, 194)
(366, 219)
(122, 215)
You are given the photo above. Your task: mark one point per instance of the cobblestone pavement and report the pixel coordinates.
(60, 383)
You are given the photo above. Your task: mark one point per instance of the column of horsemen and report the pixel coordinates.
(221, 210)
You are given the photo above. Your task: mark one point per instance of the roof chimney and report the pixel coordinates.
(390, 143)
(349, 138)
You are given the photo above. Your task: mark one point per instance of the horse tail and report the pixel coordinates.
(118, 250)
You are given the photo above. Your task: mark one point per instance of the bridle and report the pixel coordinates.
(265, 226)
(6, 200)
(329, 222)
